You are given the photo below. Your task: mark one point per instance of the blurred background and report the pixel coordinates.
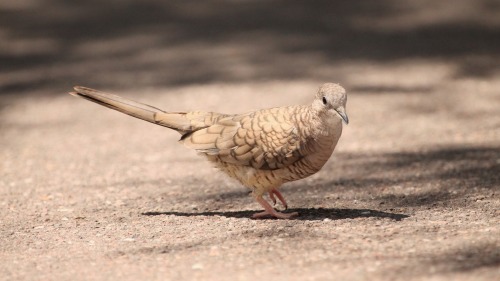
(47, 46)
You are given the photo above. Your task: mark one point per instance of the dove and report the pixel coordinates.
(261, 149)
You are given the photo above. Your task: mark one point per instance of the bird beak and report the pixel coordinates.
(341, 112)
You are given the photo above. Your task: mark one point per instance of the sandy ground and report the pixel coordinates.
(411, 193)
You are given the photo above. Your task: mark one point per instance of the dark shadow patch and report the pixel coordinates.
(304, 214)
(466, 258)
(422, 178)
(470, 258)
(95, 42)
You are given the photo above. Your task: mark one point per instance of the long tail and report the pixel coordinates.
(132, 108)
(182, 122)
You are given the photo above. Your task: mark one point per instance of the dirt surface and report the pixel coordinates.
(412, 191)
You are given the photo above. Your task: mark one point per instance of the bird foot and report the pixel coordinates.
(270, 211)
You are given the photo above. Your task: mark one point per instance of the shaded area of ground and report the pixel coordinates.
(448, 171)
(305, 214)
(156, 43)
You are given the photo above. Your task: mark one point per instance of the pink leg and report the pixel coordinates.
(280, 197)
(270, 211)
(271, 195)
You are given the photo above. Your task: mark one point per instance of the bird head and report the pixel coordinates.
(331, 100)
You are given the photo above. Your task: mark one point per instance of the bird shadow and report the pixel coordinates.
(309, 214)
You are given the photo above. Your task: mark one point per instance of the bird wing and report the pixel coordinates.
(266, 139)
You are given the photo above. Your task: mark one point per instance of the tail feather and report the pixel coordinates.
(132, 108)
(182, 122)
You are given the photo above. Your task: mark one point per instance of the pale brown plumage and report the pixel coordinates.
(262, 149)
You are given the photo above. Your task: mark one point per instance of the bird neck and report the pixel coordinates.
(325, 122)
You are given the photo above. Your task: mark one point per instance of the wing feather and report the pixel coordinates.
(264, 139)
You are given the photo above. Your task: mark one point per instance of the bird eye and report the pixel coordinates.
(324, 100)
